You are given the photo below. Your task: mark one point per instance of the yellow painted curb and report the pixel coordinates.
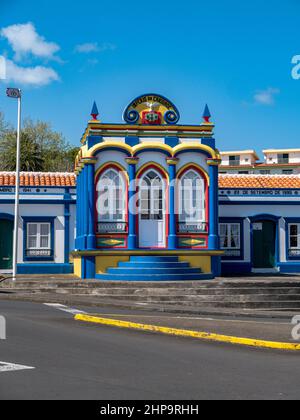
(186, 333)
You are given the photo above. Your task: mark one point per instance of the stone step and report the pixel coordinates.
(192, 298)
(215, 284)
(134, 288)
(136, 296)
(271, 305)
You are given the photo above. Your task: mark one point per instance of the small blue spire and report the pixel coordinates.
(207, 114)
(95, 111)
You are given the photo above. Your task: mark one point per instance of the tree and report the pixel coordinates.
(31, 158)
(4, 126)
(42, 148)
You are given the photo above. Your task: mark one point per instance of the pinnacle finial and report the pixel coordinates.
(95, 111)
(206, 114)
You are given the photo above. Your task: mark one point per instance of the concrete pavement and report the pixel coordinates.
(83, 361)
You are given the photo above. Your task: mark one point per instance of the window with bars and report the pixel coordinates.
(234, 160)
(230, 238)
(111, 202)
(294, 240)
(38, 240)
(283, 158)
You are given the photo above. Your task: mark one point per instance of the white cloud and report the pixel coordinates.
(93, 47)
(32, 76)
(266, 97)
(2, 68)
(24, 40)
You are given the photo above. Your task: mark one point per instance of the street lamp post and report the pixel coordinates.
(16, 94)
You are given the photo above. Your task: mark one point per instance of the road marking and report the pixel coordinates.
(11, 367)
(250, 342)
(64, 308)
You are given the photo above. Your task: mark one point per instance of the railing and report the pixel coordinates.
(294, 252)
(234, 163)
(36, 253)
(111, 227)
(283, 161)
(232, 252)
(192, 227)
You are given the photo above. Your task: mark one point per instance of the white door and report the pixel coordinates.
(152, 215)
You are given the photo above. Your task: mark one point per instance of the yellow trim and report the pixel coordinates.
(157, 165)
(214, 162)
(177, 252)
(193, 145)
(188, 165)
(250, 342)
(281, 151)
(172, 161)
(97, 125)
(108, 165)
(203, 262)
(108, 145)
(77, 266)
(105, 262)
(88, 160)
(132, 160)
(159, 146)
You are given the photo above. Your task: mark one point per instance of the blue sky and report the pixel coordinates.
(235, 56)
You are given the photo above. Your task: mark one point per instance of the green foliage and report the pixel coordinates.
(31, 158)
(42, 148)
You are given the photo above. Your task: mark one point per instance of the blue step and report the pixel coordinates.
(153, 268)
(153, 258)
(132, 264)
(153, 278)
(153, 271)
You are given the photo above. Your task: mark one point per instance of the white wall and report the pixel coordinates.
(294, 157)
(243, 159)
(190, 158)
(247, 211)
(45, 210)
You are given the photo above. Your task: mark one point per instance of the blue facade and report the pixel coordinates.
(141, 179)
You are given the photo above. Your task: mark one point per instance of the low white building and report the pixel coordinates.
(260, 223)
(275, 162)
(46, 223)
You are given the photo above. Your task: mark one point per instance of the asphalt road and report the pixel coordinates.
(82, 361)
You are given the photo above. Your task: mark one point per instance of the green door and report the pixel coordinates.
(264, 244)
(6, 244)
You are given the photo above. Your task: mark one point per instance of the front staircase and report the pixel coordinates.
(280, 294)
(154, 269)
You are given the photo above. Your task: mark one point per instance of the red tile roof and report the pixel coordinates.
(38, 179)
(259, 181)
(58, 179)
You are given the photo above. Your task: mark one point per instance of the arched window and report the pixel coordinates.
(111, 201)
(192, 202)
